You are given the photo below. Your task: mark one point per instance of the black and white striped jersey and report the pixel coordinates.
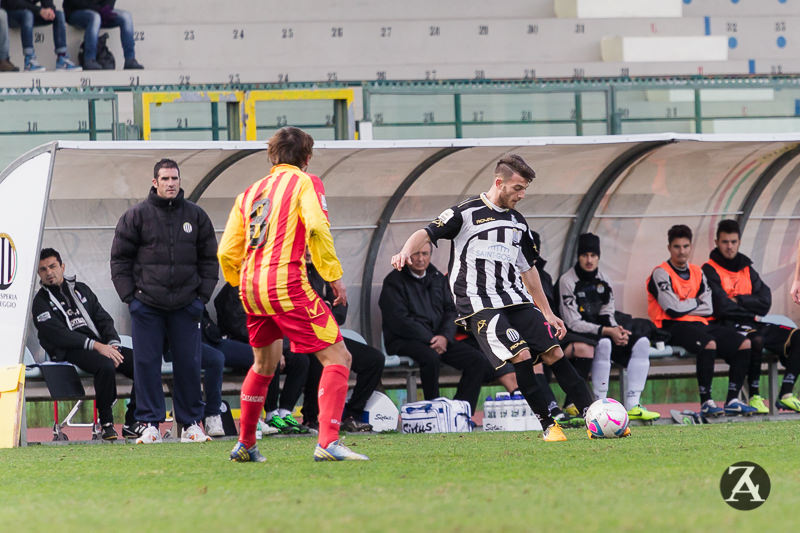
(491, 248)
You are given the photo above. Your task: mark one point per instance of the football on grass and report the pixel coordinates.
(606, 419)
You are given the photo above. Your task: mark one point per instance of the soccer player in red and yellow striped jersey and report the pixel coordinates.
(262, 251)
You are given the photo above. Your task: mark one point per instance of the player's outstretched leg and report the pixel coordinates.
(332, 394)
(535, 396)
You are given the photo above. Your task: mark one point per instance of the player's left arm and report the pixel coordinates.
(318, 235)
(794, 292)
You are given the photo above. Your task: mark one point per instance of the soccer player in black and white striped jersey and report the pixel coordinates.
(495, 286)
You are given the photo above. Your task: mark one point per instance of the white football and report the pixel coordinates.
(606, 419)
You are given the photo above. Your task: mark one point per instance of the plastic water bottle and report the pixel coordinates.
(503, 408)
(489, 414)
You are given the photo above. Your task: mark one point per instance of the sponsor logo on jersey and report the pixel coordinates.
(481, 325)
(516, 345)
(446, 215)
(484, 220)
(499, 252)
(42, 317)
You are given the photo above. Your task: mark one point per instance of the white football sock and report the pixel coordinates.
(601, 368)
(638, 366)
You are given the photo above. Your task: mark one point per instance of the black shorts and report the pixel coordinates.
(693, 336)
(504, 333)
(776, 338)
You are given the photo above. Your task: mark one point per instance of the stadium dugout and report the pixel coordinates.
(628, 189)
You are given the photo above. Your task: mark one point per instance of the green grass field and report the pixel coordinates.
(662, 478)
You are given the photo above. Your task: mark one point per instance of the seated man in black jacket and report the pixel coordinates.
(74, 327)
(418, 322)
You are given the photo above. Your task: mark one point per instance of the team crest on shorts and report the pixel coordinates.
(512, 334)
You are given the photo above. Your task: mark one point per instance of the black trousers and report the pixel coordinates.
(368, 366)
(296, 371)
(105, 380)
(475, 368)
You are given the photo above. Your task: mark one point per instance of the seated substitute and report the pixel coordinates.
(741, 298)
(25, 14)
(587, 309)
(91, 15)
(73, 326)
(367, 364)
(419, 322)
(679, 301)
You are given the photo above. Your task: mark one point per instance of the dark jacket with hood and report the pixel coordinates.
(164, 253)
(69, 317)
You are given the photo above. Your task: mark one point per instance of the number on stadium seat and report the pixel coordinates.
(483, 30)
(430, 74)
(188, 35)
(38, 37)
(386, 31)
(234, 78)
(283, 77)
(533, 28)
(337, 31)
(433, 31)
(287, 33)
(427, 117)
(238, 34)
(138, 36)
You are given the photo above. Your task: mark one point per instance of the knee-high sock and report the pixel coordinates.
(254, 392)
(737, 373)
(601, 368)
(705, 373)
(582, 365)
(754, 369)
(638, 366)
(571, 382)
(792, 365)
(530, 388)
(331, 396)
(550, 398)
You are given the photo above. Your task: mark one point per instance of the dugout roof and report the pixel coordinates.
(627, 189)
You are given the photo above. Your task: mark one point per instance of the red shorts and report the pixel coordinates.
(310, 327)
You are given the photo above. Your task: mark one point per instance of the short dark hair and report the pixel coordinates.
(50, 252)
(679, 231)
(165, 163)
(511, 164)
(728, 226)
(290, 146)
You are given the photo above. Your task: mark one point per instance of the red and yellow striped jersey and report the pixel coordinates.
(263, 246)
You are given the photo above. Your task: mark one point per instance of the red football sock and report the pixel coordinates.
(332, 394)
(254, 392)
